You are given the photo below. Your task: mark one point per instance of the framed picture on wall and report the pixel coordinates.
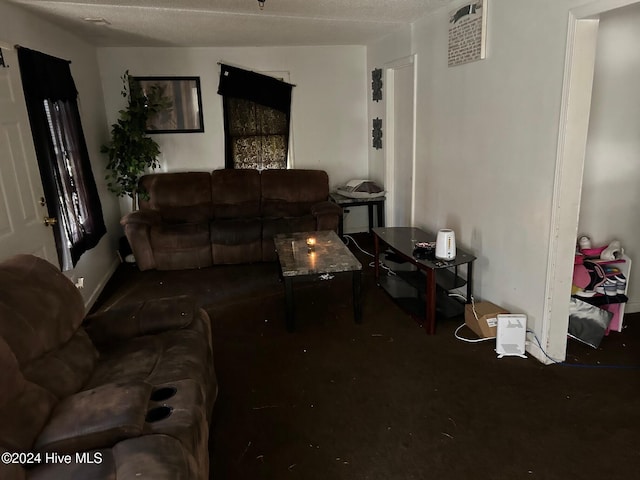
(183, 113)
(468, 33)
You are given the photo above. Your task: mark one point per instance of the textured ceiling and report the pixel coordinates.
(230, 22)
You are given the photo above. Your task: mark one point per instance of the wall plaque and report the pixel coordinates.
(467, 33)
(376, 133)
(376, 84)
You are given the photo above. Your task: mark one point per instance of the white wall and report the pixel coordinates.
(611, 193)
(20, 27)
(329, 110)
(487, 136)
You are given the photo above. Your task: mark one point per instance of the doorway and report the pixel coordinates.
(400, 145)
(572, 143)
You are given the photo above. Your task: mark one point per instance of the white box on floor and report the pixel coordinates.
(511, 335)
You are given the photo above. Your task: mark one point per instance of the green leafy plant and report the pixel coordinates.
(131, 151)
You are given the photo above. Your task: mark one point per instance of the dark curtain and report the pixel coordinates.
(257, 110)
(65, 169)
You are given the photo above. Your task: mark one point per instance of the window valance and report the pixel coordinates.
(38, 68)
(268, 91)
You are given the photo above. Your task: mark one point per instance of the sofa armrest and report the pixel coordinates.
(327, 215)
(326, 208)
(142, 217)
(137, 228)
(142, 318)
(96, 418)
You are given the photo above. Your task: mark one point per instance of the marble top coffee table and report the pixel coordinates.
(321, 255)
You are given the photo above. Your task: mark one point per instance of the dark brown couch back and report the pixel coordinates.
(182, 197)
(291, 193)
(235, 193)
(52, 320)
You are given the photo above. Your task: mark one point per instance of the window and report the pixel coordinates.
(256, 119)
(63, 159)
(258, 136)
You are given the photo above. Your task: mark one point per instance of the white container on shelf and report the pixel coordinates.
(446, 244)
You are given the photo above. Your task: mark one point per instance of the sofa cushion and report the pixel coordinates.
(65, 370)
(156, 457)
(141, 318)
(100, 465)
(164, 459)
(273, 226)
(181, 246)
(180, 236)
(235, 193)
(292, 193)
(182, 197)
(234, 254)
(236, 231)
(199, 257)
(36, 297)
(236, 240)
(24, 406)
(158, 359)
(96, 418)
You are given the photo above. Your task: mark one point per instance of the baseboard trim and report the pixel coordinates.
(101, 284)
(632, 307)
(535, 351)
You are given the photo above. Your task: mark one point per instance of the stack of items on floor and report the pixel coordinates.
(123, 394)
(599, 288)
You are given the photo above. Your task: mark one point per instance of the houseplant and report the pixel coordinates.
(131, 151)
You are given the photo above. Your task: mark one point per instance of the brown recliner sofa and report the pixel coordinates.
(200, 219)
(126, 393)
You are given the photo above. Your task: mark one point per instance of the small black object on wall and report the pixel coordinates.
(376, 133)
(376, 84)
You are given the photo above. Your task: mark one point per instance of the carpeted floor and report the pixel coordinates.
(382, 400)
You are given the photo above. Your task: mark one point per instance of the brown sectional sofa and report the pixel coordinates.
(125, 394)
(200, 219)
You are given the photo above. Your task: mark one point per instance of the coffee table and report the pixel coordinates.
(328, 258)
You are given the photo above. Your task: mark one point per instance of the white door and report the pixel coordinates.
(22, 209)
(400, 152)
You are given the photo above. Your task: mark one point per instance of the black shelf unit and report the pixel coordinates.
(421, 285)
(407, 288)
(445, 279)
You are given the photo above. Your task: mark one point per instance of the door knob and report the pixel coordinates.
(50, 221)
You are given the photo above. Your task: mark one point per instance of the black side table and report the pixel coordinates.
(346, 202)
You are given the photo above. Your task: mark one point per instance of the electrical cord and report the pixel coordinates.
(371, 264)
(470, 340)
(553, 360)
